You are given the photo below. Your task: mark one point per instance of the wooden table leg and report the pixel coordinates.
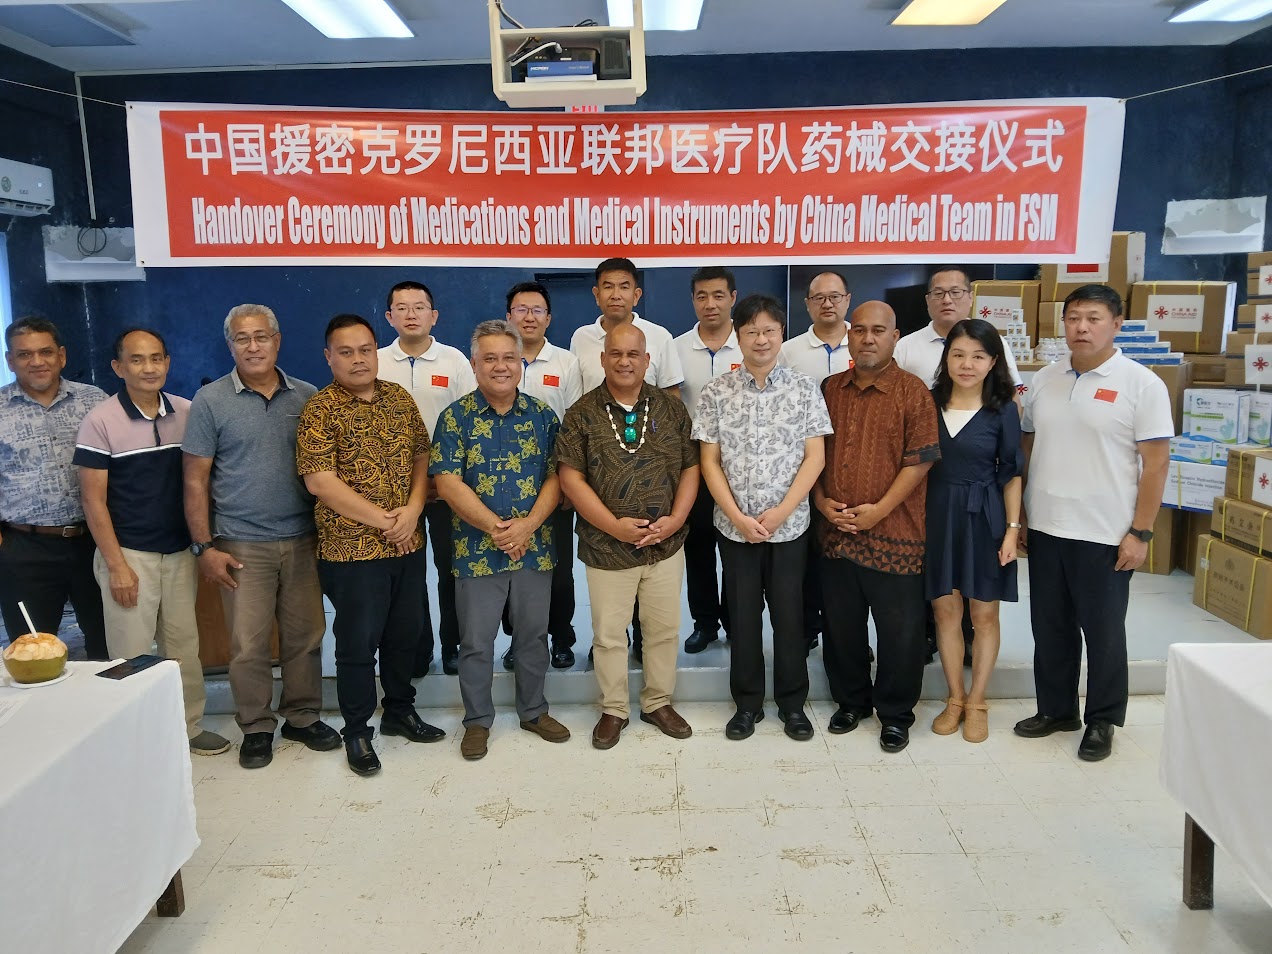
(1199, 867)
(171, 903)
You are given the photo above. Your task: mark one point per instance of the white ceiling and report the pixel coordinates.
(191, 34)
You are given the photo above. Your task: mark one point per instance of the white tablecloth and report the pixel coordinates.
(1217, 748)
(96, 808)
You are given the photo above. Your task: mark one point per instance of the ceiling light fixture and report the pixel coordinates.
(1223, 11)
(659, 14)
(946, 12)
(351, 19)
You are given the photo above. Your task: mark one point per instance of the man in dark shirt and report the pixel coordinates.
(628, 465)
(872, 496)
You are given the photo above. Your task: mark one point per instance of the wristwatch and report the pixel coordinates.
(1143, 536)
(198, 549)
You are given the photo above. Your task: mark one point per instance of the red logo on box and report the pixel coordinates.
(551, 381)
(1104, 394)
(441, 381)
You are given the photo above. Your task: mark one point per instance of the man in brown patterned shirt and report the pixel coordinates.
(362, 450)
(628, 465)
(871, 496)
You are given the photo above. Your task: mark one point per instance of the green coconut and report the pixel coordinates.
(28, 671)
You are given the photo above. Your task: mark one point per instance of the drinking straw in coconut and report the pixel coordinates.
(27, 616)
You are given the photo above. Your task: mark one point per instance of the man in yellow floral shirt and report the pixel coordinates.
(492, 458)
(362, 450)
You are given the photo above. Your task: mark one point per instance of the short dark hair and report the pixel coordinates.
(617, 265)
(827, 271)
(537, 288)
(1097, 293)
(997, 388)
(32, 325)
(752, 306)
(345, 321)
(118, 347)
(409, 286)
(711, 273)
(967, 278)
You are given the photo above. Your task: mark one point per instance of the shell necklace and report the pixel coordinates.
(629, 431)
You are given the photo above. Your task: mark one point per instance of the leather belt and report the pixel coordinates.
(71, 530)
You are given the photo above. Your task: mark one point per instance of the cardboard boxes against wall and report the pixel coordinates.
(1161, 549)
(1178, 379)
(1259, 274)
(1234, 585)
(1003, 302)
(1245, 524)
(1192, 486)
(1234, 352)
(1191, 528)
(1193, 316)
(1249, 475)
(1125, 267)
(1210, 368)
(1255, 315)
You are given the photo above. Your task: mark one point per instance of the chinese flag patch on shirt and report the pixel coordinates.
(441, 381)
(734, 367)
(551, 381)
(1104, 394)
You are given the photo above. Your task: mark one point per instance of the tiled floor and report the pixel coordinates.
(1009, 847)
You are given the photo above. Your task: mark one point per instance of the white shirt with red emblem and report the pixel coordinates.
(436, 379)
(553, 377)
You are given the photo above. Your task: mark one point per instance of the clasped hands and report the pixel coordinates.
(850, 518)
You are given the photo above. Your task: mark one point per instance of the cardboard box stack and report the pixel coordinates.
(1125, 267)
(1233, 569)
(1215, 424)
(1012, 308)
(1194, 317)
(1234, 354)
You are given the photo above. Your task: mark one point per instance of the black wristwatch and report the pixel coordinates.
(198, 549)
(1143, 536)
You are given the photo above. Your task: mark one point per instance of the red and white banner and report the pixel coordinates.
(1028, 181)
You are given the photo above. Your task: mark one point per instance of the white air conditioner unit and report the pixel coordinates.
(25, 189)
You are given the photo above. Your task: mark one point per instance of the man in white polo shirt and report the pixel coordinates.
(1097, 429)
(617, 292)
(707, 350)
(552, 375)
(436, 375)
(819, 352)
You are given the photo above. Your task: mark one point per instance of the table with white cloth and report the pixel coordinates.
(96, 808)
(1217, 760)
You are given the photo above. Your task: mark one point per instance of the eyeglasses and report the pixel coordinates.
(421, 308)
(834, 298)
(955, 294)
(262, 339)
(751, 334)
(522, 310)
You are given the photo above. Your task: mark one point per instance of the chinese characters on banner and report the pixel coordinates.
(1031, 181)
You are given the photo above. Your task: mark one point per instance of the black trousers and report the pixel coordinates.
(813, 610)
(44, 572)
(561, 609)
(753, 574)
(852, 595)
(438, 519)
(378, 611)
(1074, 592)
(708, 607)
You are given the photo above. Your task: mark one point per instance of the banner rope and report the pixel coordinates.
(60, 92)
(1213, 79)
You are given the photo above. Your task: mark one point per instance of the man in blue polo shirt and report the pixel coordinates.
(129, 455)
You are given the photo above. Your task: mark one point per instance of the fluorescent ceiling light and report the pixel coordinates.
(351, 19)
(659, 14)
(1225, 11)
(946, 12)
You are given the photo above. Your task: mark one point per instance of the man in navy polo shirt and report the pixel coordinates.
(129, 455)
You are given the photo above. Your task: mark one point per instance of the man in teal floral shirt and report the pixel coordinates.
(492, 459)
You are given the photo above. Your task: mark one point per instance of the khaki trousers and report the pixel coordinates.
(612, 594)
(279, 581)
(163, 616)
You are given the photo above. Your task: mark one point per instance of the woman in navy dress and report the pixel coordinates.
(973, 515)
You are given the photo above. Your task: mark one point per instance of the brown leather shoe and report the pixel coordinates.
(547, 728)
(608, 729)
(473, 744)
(668, 721)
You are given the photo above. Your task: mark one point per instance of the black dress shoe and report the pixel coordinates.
(318, 736)
(699, 640)
(894, 738)
(1097, 742)
(361, 756)
(843, 721)
(562, 657)
(797, 725)
(412, 727)
(1039, 726)
(742, 725)
(257, 750)
(508, 661)
(450, 662)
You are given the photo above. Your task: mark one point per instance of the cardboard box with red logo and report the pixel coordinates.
(1002, 302)
(1249, 475)
(1234, 585)
(1193, 316)
(1234, 354)
(1259, 274)
(1255, 315)
(1124, 267)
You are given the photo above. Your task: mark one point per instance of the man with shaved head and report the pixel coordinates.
(872, 495)
(627, 463)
